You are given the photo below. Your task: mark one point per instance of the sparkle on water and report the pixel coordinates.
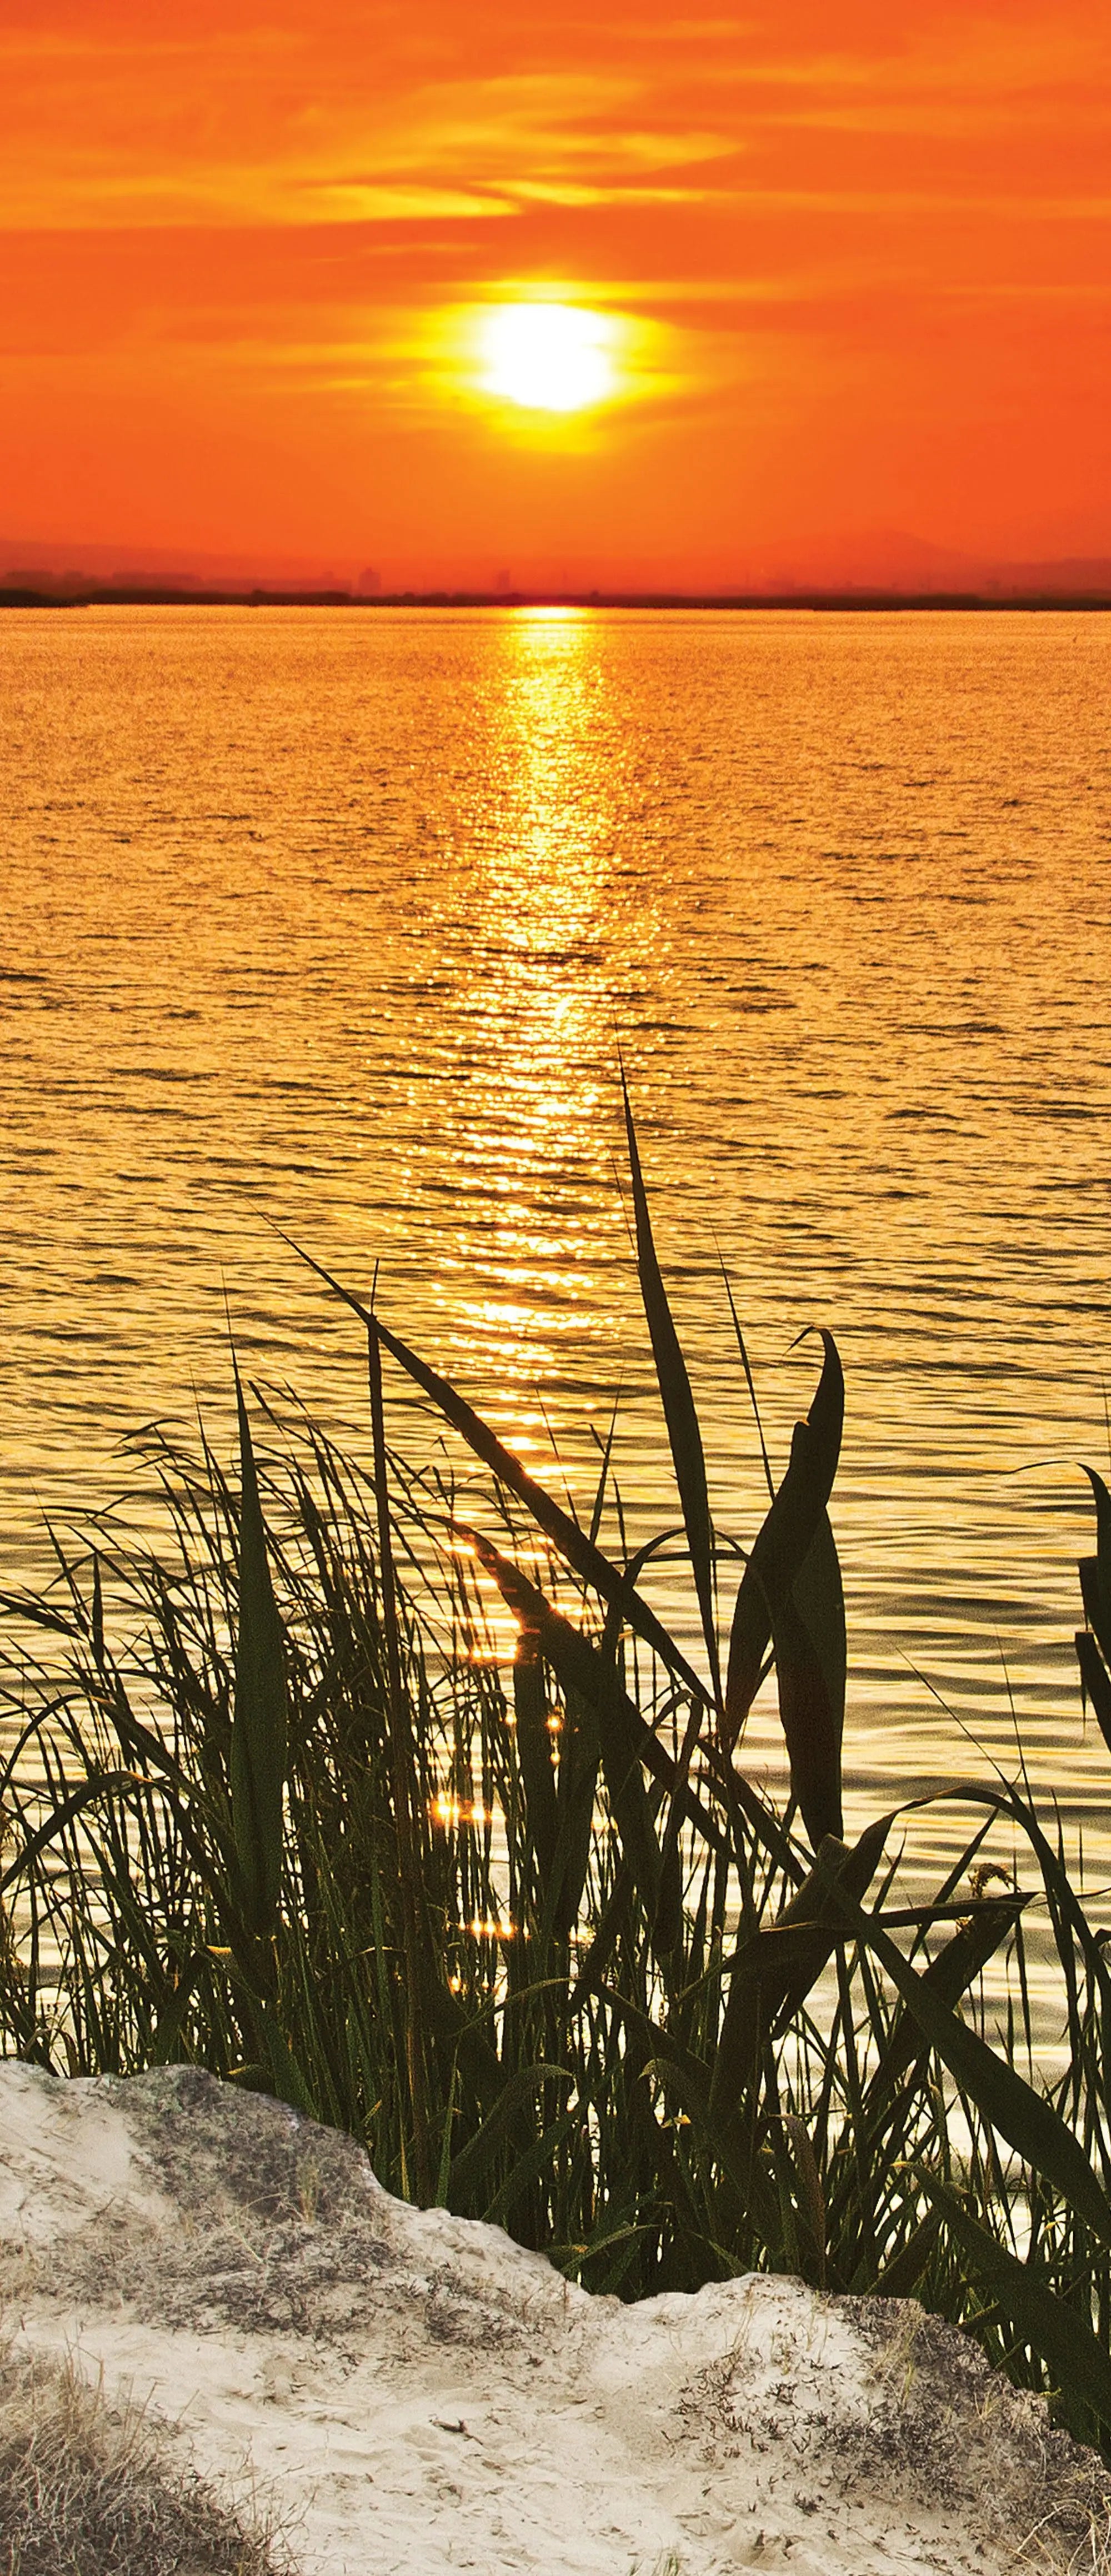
(340, 920)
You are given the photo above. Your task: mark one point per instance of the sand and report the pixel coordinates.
(412, 2392)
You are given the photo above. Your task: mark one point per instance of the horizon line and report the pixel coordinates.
(816, 596)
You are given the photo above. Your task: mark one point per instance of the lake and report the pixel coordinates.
(340, 920)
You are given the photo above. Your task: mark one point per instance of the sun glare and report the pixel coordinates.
(547, 357)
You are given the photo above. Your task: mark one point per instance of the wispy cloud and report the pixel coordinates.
(288, 125)
(155, 135)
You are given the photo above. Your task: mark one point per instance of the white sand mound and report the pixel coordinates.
(416, 2393)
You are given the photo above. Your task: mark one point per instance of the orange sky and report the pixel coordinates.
(856, 258)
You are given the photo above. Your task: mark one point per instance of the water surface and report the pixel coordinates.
(340, 920)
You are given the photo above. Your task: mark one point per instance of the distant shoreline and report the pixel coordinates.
(136, 595)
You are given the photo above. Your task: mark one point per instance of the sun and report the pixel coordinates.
(547, 357)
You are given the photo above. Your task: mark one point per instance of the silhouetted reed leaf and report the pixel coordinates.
(686, 2079)
(259, 1723)
(1024, 2118)
(808, 1638)
(960, 1960)
(1095, 1592)
(422, 1982)
(1071, 1923)
(1094, 1652)
(809, 2198)
(784, 1543)
(534, 2166)
(680, 1416)
(472, 2165)
(771, 1974)
(580, 1666)
(106, 1785)
(534, 1749)
(1102, 1498)
(1077, 2361)
(899, 2276)
(1095, 1680)
(580, 1755)
(572, 1542)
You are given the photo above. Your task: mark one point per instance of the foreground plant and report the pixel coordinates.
(528, 1929)
(87, 2489)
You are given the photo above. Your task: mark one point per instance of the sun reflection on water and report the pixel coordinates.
(521, 1266)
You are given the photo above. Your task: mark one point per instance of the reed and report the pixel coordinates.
(278, 1805)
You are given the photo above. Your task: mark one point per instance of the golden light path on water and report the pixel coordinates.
(339, 921)
(534, 1107)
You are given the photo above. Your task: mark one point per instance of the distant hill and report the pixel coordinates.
(25, 563)
(872, 562)
(891, 560)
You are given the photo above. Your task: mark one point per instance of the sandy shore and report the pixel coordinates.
(412, 2392)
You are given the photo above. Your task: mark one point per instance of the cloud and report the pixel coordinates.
(299, 124)
(156, 135)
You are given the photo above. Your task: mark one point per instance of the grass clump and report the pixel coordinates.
(285, 1804)
(89, 2489)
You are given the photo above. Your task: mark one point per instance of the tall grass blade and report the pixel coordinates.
(685, 2076)
(773, 1972)
(750, 1382)
(683, 1432)
(405, 1791)
(472, 2165)
(57, 1823)
(580, 1757)
(534, 1749)
(809, 2196)
(580, 1666)
(1078, 2363)
(259, 1720)
(565, 1534)
(958, 1963)
(1025, 2118)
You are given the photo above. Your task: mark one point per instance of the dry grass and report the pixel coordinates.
(1040, 2554)
(88, 2488)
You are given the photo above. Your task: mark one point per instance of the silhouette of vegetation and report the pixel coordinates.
(283, 1802)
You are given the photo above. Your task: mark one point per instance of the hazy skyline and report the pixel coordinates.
(849, 276)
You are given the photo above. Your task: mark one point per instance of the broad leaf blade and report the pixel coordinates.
(949, 1975)
(785, 1539)
(1095, 1681)
(1102, 1499)
(1095, 1571)
(808, 1636)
